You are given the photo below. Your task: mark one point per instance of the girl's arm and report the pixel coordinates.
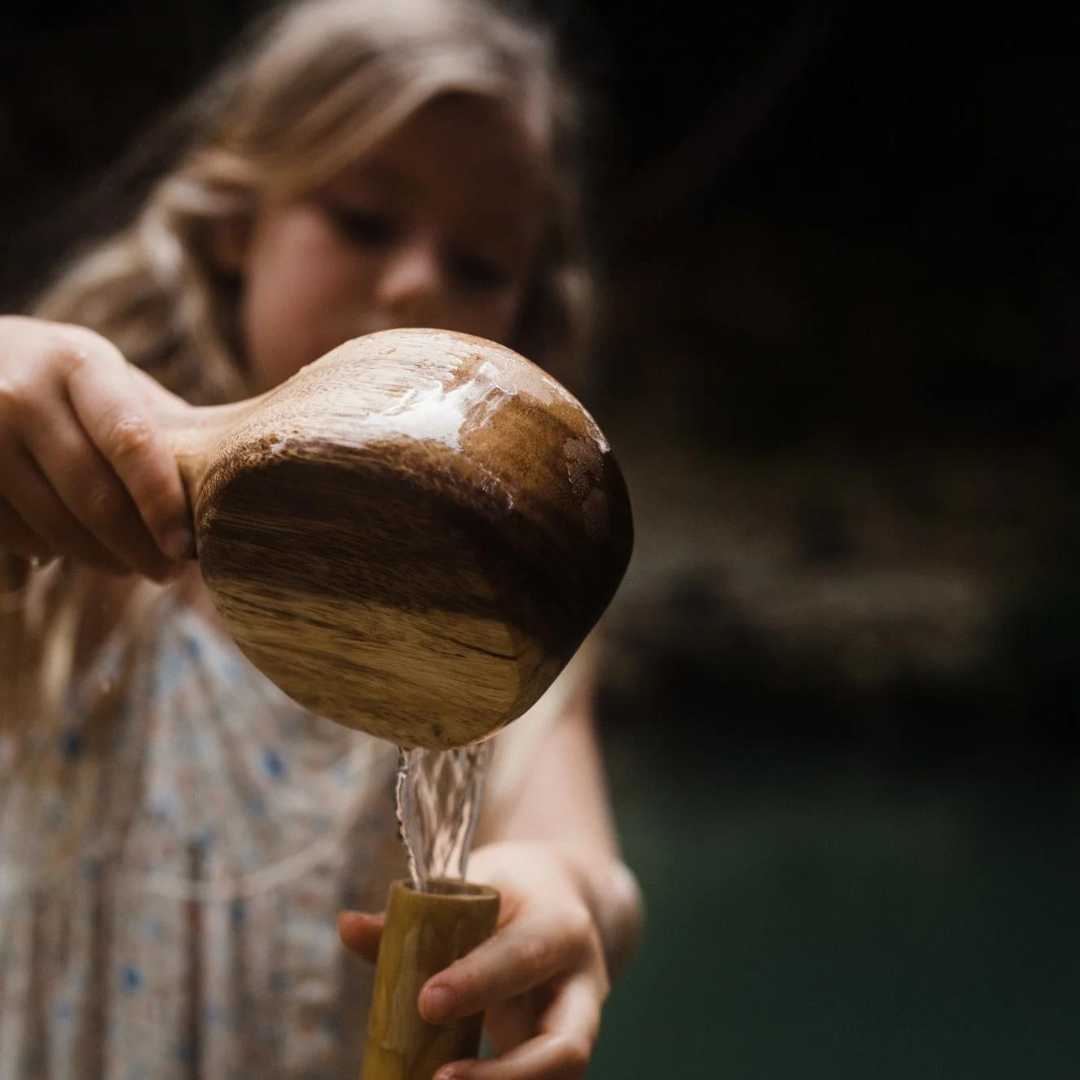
(561, 801)
(569, 920)
(85, 476)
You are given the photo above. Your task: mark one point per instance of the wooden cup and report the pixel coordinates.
(424, 933)
(412, 535)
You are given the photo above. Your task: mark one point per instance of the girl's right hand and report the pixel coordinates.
(85, 470)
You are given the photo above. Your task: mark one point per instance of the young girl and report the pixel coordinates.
(177, 839)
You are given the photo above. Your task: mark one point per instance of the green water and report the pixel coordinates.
(829, 919)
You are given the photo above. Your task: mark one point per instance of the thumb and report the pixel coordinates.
(360, 932)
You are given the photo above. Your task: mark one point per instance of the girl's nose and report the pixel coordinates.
(411, 284)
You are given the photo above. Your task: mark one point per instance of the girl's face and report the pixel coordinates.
(438, 227)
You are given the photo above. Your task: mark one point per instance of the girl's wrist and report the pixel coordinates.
(609, 889)
(613, 895)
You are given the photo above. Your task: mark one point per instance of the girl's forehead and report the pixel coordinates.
(463, 150)
(455, 134)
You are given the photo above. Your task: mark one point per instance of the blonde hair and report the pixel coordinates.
(313, 86)
(313, 89)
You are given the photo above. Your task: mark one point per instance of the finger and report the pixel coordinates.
(561, 1051)
(523, 955)
(575, 1010)
(153, 395)
(547, 1057)
(361, 933)
(510, 1023)
(93, 493)
(32, 498)
(15, 536)
(109, 407)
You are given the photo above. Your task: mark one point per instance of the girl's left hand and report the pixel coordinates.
(540, 980)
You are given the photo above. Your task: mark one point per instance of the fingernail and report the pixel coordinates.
(179, 543)
(438, 1004)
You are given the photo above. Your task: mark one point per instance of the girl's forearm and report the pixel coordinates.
(562, 803)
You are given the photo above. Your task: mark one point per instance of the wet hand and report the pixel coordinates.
(85, 471)
(541, 980)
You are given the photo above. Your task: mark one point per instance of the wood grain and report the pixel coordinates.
(412, 536)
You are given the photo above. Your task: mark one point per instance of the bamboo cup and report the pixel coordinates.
(424, 933)
(412, 535)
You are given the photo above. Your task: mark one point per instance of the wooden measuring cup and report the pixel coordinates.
(412, 535)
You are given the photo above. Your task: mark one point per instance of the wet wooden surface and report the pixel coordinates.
(412, 536)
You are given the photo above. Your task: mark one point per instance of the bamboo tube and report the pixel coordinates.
(424, 933)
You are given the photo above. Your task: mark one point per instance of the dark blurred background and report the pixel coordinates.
(837, 360)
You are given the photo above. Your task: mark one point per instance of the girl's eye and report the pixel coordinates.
(477, 272)
(368, 227)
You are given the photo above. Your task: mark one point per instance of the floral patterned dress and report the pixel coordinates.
(171, 867)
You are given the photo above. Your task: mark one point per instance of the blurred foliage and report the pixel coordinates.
(815, 916)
